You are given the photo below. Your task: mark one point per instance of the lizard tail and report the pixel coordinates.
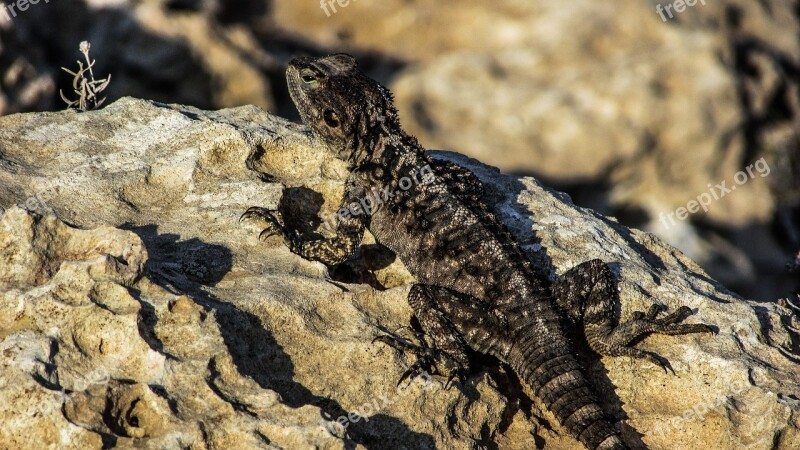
(557, 378)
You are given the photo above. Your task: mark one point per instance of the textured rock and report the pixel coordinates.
(94, 354)
(178, 328)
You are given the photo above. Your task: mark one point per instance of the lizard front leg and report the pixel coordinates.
(589, 294)
(330, 251)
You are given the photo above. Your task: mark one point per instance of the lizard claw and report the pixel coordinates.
(660, 362)
(268, 216)
(651, 314)
(268, 232)
(676, 316)
(460, 374)
(794, 324)
(273, 226)
(427, 359)
(791, 305)
(788, 353)
(257, 212)
(641, 323)
(423, 364)
(396, 342)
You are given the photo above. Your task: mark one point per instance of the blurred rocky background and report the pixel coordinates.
(632, 111)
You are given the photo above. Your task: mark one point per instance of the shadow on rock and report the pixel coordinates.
(188, 267)
(301, 209)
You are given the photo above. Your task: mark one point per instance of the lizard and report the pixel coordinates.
(475, 288)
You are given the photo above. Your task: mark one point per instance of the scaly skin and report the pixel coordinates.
(474, 286)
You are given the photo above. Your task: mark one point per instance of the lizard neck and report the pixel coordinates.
(389, 144)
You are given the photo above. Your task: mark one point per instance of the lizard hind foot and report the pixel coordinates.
(643, 324)
(618, 342)
(428, 360)
(272, 221)
(426, 356)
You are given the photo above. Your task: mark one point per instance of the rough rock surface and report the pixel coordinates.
(179, 329)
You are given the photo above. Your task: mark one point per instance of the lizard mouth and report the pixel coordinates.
(293, 82)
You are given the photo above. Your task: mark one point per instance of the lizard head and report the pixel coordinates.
(342, 106)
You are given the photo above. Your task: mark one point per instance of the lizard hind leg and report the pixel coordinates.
(588, 293)
(441, 331)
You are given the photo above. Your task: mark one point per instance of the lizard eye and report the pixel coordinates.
(331, 118)
(308, 76)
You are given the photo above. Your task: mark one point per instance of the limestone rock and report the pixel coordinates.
(136, 311)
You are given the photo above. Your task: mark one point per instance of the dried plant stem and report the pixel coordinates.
(87, 89)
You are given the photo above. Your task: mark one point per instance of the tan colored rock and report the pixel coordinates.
(180, 329)
(427, 28)
(596, 99)
(81, 367)
(230, 55)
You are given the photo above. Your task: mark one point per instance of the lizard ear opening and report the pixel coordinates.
(331, 118)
